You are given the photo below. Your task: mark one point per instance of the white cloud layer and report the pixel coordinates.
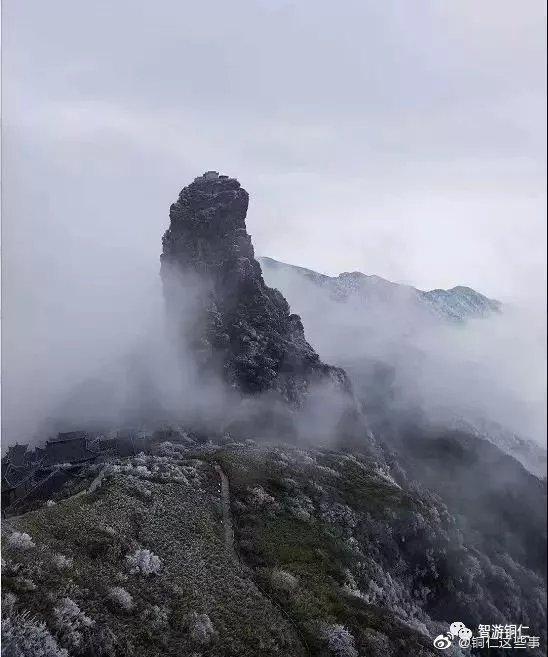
(399, 138)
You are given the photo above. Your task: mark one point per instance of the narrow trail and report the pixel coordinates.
(229, 544)
(227, 514)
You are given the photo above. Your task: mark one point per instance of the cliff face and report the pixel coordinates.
(243, 327)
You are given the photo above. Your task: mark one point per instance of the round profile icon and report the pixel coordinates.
(456, 627)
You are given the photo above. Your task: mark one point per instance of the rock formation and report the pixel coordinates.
(243, 328)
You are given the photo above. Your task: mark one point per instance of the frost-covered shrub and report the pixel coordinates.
(350, 586)
(380, 588)
(201, 629)
(12, 568)
(338, 514)
(121, 598)
(139, 487)
(143, 562)
(142, 471)
(51, 503)
(301, 507)
(326, 470)
(62, 562)
(24, 584)
(20, 541)
(8, 603)
(300, 513)
(23, 636)
(141, 458)
(283, 581)
(170, 449)
(156, 617)
(353, 545)
(102, 641)
(71, 622)
(258, 497)
(339, 641)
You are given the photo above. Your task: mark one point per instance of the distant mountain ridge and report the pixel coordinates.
(457, 304)
(396, 343)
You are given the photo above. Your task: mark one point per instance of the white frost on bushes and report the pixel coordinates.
(51, 503)
(328, 471)
(142, 471)
(354, 546)
(24, 584)
(62, 562)
(138, 486)
(8, 603)
(201, 629)
(383, 590)
(71, 622)
(167, 466)
(143, 562)
(303, 457)
(258, 497)
(339, 641)
(301, 507)
(156, 617)
(23, 636)
(140, 459)
(339, 514)
(350, 586)
(283, 581)
(121, 597)
(20, 541)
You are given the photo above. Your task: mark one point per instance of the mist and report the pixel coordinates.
(92, 348)
(490, 369)
(128, 355)
(411, 148)
(107, 360)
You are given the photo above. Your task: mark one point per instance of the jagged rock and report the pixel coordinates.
(244, 327)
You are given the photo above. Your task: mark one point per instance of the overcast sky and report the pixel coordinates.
(402, 138)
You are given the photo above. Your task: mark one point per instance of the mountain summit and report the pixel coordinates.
(244, 328)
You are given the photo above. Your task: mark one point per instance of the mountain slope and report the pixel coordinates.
(139, 563)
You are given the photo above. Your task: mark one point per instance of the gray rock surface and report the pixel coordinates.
(243, 328)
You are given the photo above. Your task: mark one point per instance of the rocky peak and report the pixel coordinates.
(245, 328)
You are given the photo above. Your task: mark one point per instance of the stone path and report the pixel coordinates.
(227, 514)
